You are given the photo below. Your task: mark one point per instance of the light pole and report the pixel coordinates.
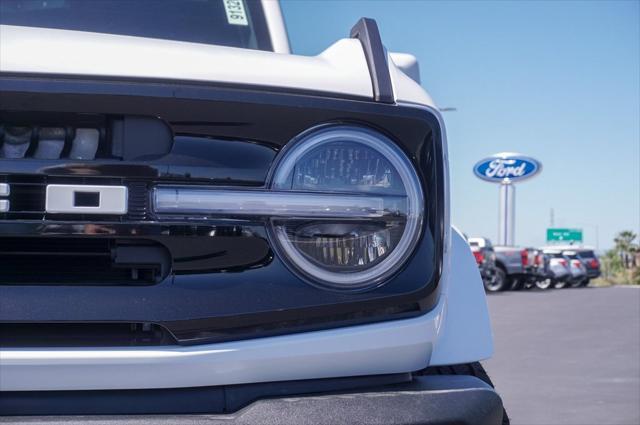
(595, 227)
(507, 214)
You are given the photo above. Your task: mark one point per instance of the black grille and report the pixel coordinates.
(82, 261)
(27, 198)
(83, 335)
(138, 201)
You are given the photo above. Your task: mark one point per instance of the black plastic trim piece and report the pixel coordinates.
(217, 312)
(366, 30)
(287, 322)
(260, 27)
(211, 399)
(64, 334)
(390, 399)
(127, 80)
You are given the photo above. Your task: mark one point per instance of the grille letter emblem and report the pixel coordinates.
(86, 199)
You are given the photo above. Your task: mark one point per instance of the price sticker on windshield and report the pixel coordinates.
(236, 14)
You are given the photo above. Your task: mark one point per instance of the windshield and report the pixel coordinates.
(235, 23)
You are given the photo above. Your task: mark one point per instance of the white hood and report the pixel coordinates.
(340, 69)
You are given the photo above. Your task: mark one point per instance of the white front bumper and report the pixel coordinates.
(456, 331)
(390, 347)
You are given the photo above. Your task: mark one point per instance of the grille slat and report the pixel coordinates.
(138, 201)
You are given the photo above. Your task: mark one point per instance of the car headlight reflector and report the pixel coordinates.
(349, 161)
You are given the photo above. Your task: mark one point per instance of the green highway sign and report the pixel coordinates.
(564, 235)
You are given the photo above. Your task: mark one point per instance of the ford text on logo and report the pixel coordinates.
(506, 167)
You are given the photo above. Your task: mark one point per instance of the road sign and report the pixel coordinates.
(564, 235)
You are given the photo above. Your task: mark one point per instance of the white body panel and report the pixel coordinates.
(465, 333)
(341, 69)
(407, 90)
(381, 348)
(408, 64)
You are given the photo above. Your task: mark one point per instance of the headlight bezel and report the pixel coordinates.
(399, 256)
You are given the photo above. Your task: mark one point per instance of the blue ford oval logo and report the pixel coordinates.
(507, 167)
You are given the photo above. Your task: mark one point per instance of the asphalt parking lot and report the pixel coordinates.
(568, 356)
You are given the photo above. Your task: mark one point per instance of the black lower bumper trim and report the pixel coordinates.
(431, 400)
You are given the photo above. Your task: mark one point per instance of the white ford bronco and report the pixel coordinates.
(197, 226)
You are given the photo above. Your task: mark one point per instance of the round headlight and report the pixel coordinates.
(357, 250)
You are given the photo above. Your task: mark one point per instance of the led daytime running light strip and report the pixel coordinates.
(229, 203)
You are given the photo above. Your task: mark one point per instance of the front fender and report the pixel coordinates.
(464, 334)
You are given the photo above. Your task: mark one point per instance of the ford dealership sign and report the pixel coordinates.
(507, 167)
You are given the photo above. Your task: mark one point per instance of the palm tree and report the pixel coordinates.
(626, 247)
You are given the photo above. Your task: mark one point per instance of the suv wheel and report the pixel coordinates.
(576, 283)
(559, 284)
(498, 281)
(545, 284)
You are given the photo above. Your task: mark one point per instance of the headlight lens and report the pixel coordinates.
(350, 253)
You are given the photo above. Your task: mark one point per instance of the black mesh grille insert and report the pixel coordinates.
(83, 335)
(82, 261)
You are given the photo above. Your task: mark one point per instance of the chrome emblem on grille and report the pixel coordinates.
(86, 199)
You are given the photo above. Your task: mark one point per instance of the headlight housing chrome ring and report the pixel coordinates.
(358, 252)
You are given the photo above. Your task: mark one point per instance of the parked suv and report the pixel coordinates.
(493, 277)
(578, 268)
(588, 257)
(541, 273)
(515, 262)
(194, 221)
(559, 267)
(591, 262)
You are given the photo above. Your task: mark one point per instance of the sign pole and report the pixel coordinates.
(507, 214)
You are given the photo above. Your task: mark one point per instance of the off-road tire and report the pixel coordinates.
(560, 284)
(498, 283)
(471, 369)
(545, 284)
(578, 284)
(516, 283)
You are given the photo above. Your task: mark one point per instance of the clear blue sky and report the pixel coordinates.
(556, 80)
